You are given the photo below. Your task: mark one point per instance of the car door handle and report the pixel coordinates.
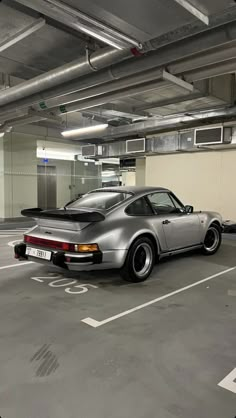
(166, 222)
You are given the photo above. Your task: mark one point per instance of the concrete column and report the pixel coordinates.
(128, 178)
(20, 173)
(2, 211)
(141, 172)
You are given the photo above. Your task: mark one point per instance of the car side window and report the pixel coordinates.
(139, 207)
(162, 203)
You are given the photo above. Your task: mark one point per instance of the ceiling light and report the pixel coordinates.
(92, 26)
(102, 38)
(2, 134)
(85, 130)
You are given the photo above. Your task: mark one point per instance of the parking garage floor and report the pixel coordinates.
(156, 349)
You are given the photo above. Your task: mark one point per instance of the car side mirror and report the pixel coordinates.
(188, 209)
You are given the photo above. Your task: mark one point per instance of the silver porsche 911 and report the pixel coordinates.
(127, 228)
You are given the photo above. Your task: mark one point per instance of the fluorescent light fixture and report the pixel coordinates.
(86, 130)
(186, 4)
(2, 134)
(102, 38)
(91, 26)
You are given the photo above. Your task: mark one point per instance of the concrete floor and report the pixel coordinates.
(162, 361)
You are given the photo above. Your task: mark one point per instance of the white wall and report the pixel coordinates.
(205, 179)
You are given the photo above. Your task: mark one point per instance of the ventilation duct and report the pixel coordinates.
(212, 136)
(135, 145)
(165, 143)
(89, 150)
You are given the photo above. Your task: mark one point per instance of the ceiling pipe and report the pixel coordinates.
(205, 41)
(77, 68)
(106, 98)
(6, 127)
(100, 100)
(112, 86)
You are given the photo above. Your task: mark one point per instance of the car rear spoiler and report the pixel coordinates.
(64, 215)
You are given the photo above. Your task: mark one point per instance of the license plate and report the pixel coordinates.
(34, 252)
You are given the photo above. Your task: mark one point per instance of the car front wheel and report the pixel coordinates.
(140, 261)
(212, 240)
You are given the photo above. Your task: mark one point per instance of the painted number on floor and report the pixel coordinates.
(229, 382)
(70, 286)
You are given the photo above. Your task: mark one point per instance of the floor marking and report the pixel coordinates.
(12, 243)
(231, 292)
(94, 323)
(229, 382)
(7, 236)
(16, 265)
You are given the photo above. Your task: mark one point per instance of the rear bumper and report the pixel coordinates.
(77, 262)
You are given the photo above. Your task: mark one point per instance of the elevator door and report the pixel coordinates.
(47, 187)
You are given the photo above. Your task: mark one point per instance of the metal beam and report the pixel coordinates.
(178, 81)
(22, 33)
(193, 10)
(4, 81)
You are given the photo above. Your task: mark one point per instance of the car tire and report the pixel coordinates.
(139, 261)
(212, 240)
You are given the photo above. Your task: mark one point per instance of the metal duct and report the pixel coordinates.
(105, 98)
(214, 70)
(77, 68)
(218, 55)
(222, 35)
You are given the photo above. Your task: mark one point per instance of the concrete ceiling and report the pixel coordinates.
(53, 43)
(47, 48)
(146, 19)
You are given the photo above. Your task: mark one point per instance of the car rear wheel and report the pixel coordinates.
(140, 261)
(212, 240)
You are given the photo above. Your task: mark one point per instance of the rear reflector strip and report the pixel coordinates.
(58, 245)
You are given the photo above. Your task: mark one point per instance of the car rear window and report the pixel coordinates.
(99, 200)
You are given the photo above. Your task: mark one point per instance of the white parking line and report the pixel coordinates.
(94, 323)
(16, 265)
(12, 243)
(229, 382)
(8, 236)
(231, 292)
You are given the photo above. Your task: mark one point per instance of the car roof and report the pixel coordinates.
(135, 190)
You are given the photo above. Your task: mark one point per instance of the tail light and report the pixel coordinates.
(63, 246)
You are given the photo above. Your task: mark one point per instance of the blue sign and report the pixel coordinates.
(45, 160)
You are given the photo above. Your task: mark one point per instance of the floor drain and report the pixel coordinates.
(48, 361)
